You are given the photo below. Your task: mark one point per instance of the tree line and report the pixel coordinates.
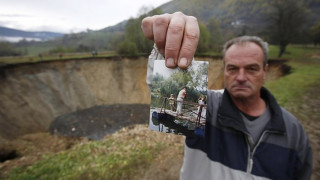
(284, 22)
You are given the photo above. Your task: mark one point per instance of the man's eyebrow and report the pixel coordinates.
(254, 64)
(231, 65)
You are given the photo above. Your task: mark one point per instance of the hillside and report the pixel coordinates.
(241, 15)
(33, 95)
(41, 35)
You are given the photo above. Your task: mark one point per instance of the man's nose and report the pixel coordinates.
(241, 76)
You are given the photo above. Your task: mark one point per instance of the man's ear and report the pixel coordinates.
(266, 69)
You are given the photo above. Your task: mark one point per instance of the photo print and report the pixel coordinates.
(178, 99)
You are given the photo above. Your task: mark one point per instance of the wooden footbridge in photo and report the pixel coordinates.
(192, 112)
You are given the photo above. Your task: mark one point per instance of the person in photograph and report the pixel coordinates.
(182, 94)
(171, 102)
(201, 100)
(200, 104)
(247, 134)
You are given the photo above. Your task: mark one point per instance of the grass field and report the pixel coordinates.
(305, 64)
(52, 57)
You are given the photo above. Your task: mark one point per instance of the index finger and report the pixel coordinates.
(174, 39)
(190, 42)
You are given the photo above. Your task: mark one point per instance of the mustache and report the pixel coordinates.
(240, 84)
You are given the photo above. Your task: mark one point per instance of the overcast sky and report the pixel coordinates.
(69, 15)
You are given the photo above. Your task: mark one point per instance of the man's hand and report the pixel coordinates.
(175, 35)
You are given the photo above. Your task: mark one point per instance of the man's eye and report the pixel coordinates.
(231, 69)
(253, 69)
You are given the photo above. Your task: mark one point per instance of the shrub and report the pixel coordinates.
(127, 48)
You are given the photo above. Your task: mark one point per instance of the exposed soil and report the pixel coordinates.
(33, 95)
(95, 122)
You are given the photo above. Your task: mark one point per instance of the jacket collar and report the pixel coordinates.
(229, 115)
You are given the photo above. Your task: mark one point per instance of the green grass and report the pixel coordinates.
(105, 159)
(34, 50)
(294, 51)
(305, 63)
(289, 89)
(53, 57)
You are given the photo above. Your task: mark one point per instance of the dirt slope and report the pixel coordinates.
(33, 95)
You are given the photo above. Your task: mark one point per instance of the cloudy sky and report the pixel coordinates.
(69, 15)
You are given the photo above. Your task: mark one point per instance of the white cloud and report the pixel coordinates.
(70, 15)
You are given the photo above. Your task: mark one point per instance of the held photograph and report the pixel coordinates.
(178, 99)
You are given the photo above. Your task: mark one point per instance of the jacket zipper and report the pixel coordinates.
(251, 153)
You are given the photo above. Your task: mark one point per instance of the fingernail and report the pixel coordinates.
(183, 62)
(170, 62)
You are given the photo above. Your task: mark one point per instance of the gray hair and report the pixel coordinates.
(245, 39)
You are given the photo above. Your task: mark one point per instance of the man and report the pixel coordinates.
(171, 102)
(182, 94)
(248, 135)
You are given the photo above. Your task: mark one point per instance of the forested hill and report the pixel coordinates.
(235, 12)
(224, 19)
(236, 9)
(202, 9)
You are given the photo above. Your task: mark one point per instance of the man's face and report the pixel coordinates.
(244, 74)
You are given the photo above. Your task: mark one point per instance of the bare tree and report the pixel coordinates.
(286, 18)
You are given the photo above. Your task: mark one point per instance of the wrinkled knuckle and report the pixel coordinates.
(179, 13)
(145, 23)
(172, 47)
(160, 21)
(187, 48)
(176, 28)
(165, 15)
(147, 20)
(192, 18)
(193, 36)
(161, 42)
